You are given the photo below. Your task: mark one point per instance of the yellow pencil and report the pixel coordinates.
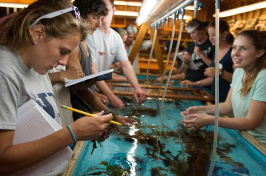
(86, 114)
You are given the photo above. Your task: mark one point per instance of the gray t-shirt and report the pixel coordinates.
(19, 84)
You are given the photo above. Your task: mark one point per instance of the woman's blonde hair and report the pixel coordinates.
(18, 34)
(258, 40)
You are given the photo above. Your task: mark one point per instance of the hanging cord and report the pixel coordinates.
(153, 42)
(173, 62)
(217, 26)
(168, 56)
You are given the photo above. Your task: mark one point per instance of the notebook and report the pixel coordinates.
(103, 75)
(33, 123)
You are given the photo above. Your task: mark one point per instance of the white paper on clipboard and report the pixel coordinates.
(34, 123)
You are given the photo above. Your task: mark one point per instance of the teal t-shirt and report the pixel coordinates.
(241, 104)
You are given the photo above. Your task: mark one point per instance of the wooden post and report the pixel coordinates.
(157, 51)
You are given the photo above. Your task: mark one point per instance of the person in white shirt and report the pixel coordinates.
(105, 46)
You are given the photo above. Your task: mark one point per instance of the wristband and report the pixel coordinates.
(221, 69)
(221, 72)
(72, 133)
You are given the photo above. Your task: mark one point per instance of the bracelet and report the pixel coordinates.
(221, 72)
(72, 133)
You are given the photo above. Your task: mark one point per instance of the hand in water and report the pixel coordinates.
(116, 102)
(142, 96)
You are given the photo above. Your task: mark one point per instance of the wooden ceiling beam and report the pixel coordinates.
(19, 1)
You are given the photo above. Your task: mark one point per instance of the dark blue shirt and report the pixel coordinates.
(198, 74)
(224, 86)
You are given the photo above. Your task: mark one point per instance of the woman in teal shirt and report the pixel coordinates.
(247, 95)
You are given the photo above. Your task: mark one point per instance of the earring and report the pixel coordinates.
(224, 38)
(34, 42)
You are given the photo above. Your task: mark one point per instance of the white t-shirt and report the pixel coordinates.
(104, 49)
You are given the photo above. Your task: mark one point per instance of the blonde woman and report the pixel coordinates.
(39, 38)
(247, 95)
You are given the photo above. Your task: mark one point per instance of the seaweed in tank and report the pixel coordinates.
(178, 105)
(157, 171)
(136, 111)
(197, 146)
(120, 164)
(192, 160)
(104, 168)
(127, 100)
(132, 111)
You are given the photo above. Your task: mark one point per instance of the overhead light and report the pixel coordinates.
(148, 6)
(191, 8)
(126, 13)
(243, 9)
(13, 5)
(128, 3)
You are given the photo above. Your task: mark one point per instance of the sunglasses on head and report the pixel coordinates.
(57, 13)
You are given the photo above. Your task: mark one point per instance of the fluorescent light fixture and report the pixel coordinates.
(128, 3)
(243, 9)
(191, 8)
(174, 10)
(126, 13)
(13, 5)
(148, 6)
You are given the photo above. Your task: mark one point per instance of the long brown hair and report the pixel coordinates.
(258, 40)
(224, 27)
(19, 32)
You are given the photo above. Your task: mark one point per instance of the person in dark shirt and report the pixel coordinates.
(197, 57)
(225, 62)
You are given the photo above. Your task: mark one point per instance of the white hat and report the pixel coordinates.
(194, 24)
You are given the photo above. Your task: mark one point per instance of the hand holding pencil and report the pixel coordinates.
(86, 114)
(88, 128)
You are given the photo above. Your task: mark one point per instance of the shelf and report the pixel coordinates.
(166, 39)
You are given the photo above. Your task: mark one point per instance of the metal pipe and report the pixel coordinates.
(167, 21)
(180, 6)
(153, 42)
(163, 23)
(174, 59)
(217, 32)
(197, 4)
(168, 56)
